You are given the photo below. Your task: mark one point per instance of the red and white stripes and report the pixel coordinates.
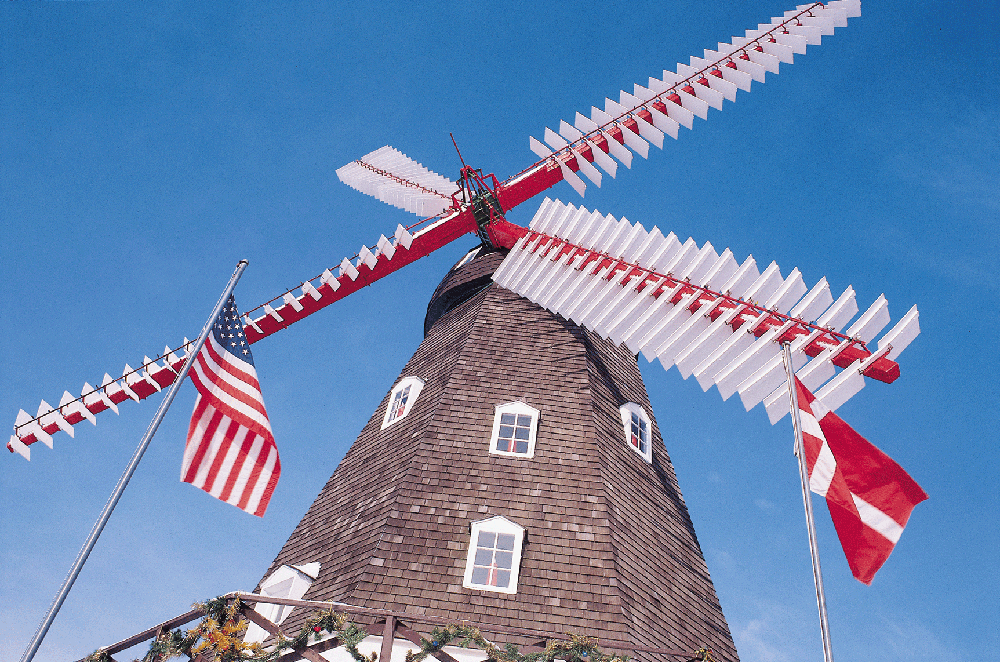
(870, 497)
(701, 310)
(230, 452)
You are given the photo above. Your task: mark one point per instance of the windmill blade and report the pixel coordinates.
(670, 310)
(364, 268)
(645, 114)
(394, 178)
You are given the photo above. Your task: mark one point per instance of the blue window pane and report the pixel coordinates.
(523, 420)
(484, 556)
(522, 447)
(506, 432)
(505, 560)
(507, 419)
(480, 575)
(521, 433)
(486, 539)
(504, 541)
(502, 578)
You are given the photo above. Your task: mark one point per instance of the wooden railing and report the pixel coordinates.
(387, 624)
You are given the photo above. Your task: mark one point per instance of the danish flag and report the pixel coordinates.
(870, 497)
(230, 451)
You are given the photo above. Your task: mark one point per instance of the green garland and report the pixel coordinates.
(219, 637)
(576, 649)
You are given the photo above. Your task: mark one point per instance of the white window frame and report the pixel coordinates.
(626, 411)
(516, 407)
(416, 385)
(497, 524)
(288, 581)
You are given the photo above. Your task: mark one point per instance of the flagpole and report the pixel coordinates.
(793, 399)
(95, 533)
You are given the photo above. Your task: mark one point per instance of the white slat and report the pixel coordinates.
(666, 124)
(694, 104)
(554, 140)
(602, 159)
(745, 364)
(568, 131)
(818, 300)
(634, 142)
(572, 179)
(843, 387)
(842, 310)
(790, 291)
(706, 371)
(871, 323)
(618, 150)
(740, 282)
(902, 334)
(587, 168)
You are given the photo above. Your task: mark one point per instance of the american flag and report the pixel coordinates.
(230, 451)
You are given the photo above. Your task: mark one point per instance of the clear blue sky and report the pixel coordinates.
(146, 147)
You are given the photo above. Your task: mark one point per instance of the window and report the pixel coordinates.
(514, 427)
(401, 399)
(494, 555)
(638, 430)
(288, 581)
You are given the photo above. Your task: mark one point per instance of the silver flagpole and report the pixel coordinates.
(88, 546)
(793, 399)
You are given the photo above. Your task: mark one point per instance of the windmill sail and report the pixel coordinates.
(692, 307)
(649, 112)
(394, 178)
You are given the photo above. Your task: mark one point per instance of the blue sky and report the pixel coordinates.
(146, 147)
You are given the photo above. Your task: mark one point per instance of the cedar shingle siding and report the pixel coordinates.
(609, 547)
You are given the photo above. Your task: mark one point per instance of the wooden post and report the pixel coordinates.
(388, 636)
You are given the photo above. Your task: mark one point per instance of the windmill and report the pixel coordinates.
(689, 279)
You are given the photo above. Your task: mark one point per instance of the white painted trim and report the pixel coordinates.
(416, 385)
(497, 524)
(286, 582)
(515, 408)
(626, 411)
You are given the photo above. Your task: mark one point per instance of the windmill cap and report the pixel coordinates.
(470, 275)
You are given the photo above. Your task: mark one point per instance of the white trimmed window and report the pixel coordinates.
(514, 428)
(288, 581)
(403, 395)
(638, 430)
(494, 555)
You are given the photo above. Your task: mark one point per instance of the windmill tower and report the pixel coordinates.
(521, 424)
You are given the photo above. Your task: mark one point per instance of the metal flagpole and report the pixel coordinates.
(88, 546)
(793, 399)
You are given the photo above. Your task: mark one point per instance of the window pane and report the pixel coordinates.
(484, 556)
(521, 433)
(502, 578)
(523, 420)
(506, 432)
(480, 575)
(504, 541)
(522, 447)
(507, 419)
(487, 539)
(505, 560)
